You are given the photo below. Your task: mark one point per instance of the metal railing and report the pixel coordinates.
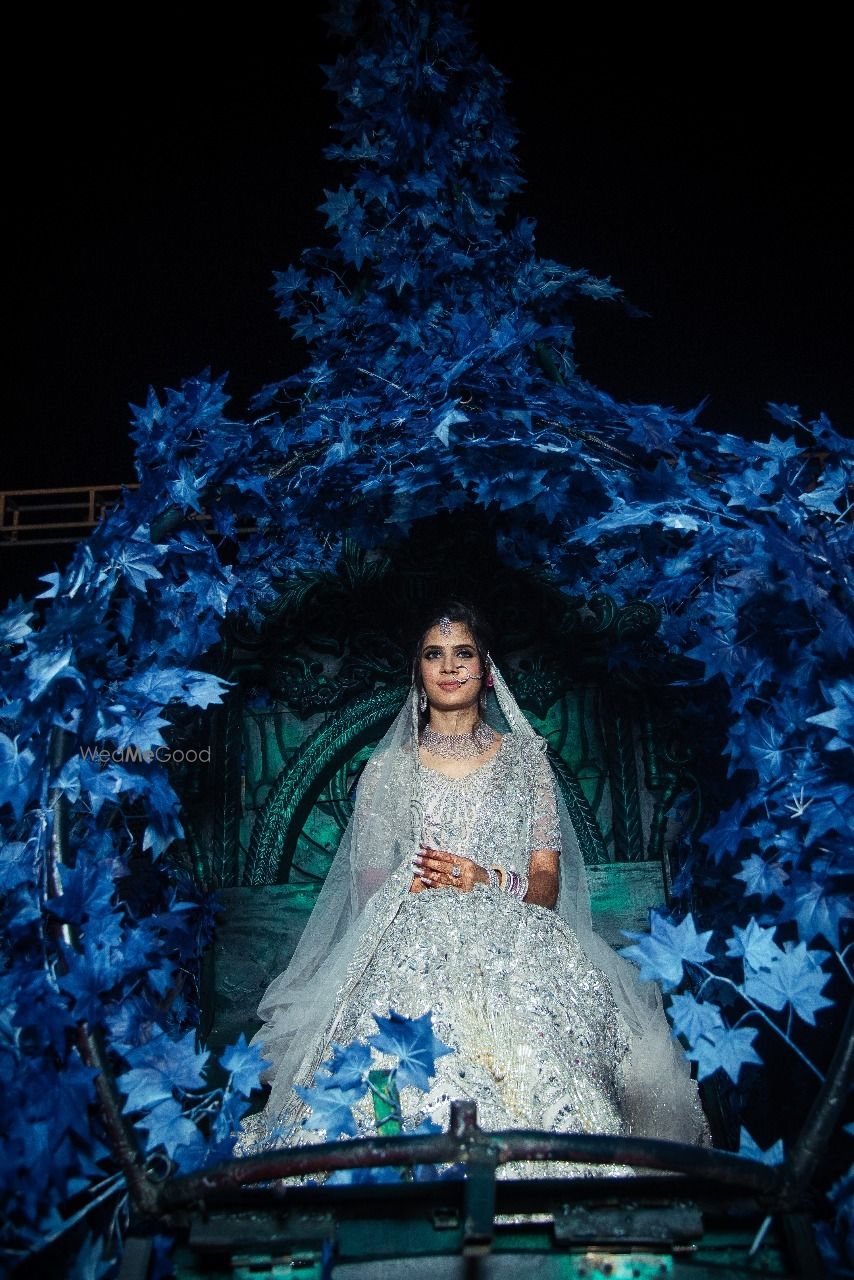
(48, 517)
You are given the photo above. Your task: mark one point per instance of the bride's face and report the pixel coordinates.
(450, 668)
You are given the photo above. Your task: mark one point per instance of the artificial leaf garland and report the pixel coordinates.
(440, 376)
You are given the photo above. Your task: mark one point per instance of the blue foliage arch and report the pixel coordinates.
(440, 376)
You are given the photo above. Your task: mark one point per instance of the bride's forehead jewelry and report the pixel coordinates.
(445, 625)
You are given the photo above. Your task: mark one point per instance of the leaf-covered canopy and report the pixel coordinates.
(439, 376)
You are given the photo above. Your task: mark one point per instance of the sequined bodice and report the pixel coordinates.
(469, 816)
(487, 815)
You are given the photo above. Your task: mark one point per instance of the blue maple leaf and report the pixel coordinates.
(129, 1021)
(18, 864)
(510, 488)
(399, 272)
(339, 206)
(91, 974)
(813, 904)
(227, 1119)
(169, 1127)
(290, 281)
(789, 415)
(762, 878)
(451, 417)
(86, 891)
(187, 489)
(331, 1110)
(413, 1042)
(751, 1150)
(204, 689)
(179, 925)
(729, 832)
(348, 1067)
(830, 812)
(158, 683)
(135, 725)
(244, 1063)
(159, 1066)
(754, 945)
(52, 590)
(17, 776)
(93, 1259)
(377, 186)
(726, 1049)
(34, 1003)
(666, 948)
(757, 741)
(134, 561)
(825, 498)
(747, 486)
(52, 664)
(840, 717)
(208, 591)
(163, 827)
(70, 1090)
(793, 977)
(693, 1018)
(15, 622)
(783, 448)
(140, 945)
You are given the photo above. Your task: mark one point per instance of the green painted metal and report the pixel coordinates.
(590, 839)
(625, 801)
(386, 1102)
(363, 1239)
(621, 894)
(271, 846)
(224, 868)
(572, 729)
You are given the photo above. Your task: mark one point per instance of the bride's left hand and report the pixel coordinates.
(435, 867)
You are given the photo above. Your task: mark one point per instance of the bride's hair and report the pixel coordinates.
(467, 616)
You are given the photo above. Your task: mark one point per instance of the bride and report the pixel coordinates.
(458, 888)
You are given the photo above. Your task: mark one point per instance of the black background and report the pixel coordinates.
(163, 170)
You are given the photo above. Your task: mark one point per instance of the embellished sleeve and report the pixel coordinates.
(544, 830)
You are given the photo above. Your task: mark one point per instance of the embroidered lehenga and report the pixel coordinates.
(549, 1028)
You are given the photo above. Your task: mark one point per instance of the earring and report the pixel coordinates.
(422, 701)
(489, 681)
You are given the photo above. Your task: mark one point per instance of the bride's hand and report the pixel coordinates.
(435, 869)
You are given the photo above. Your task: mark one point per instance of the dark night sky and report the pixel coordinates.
(166, 172)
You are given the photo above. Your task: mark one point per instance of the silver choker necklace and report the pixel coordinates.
(458, 746)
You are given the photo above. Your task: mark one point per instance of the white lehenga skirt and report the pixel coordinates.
(537, 1037)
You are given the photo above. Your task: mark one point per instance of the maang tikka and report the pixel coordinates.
(445, 625)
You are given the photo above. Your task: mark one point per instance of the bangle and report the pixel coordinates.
(502, 876)
(491, 877)
(518, 885)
